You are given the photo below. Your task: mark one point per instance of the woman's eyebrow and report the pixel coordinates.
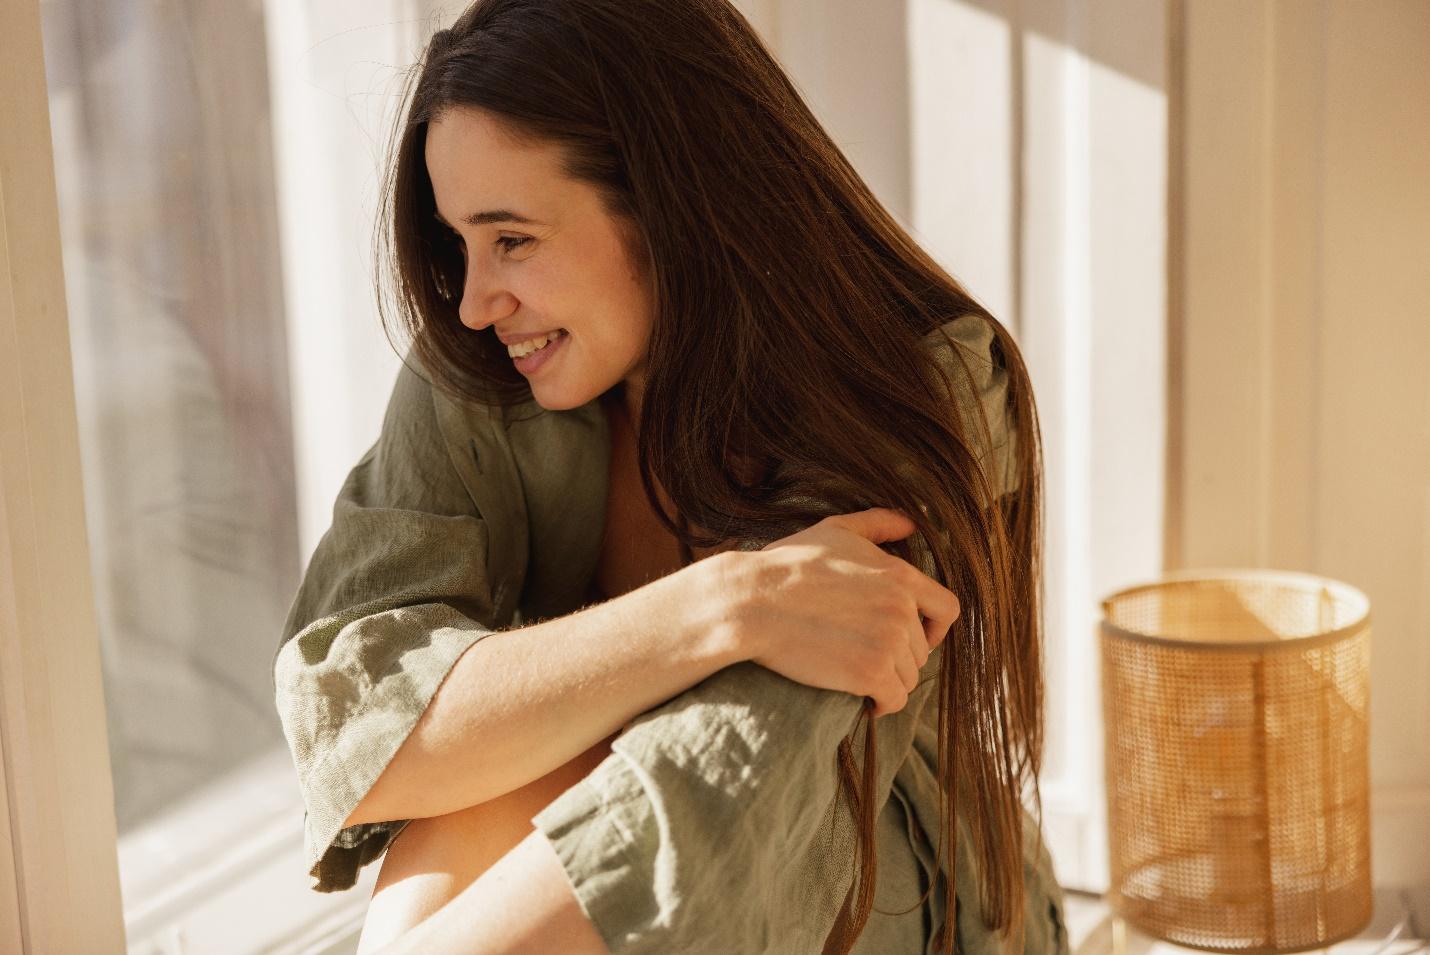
(491, 215)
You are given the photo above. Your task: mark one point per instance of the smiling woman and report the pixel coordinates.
(789, 466)
(564, 263)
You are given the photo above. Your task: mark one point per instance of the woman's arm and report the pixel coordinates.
(520, 703)
(523, 905)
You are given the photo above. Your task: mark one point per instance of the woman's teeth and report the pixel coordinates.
(522, 349)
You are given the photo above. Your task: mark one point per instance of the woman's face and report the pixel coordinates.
(542, 254)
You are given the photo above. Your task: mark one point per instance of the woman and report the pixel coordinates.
(644, 282)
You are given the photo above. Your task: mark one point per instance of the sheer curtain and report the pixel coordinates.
(173, 277)
(216, 167)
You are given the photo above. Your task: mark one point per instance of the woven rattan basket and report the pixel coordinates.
(1236, 713)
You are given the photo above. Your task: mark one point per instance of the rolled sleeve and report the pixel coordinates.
(396, 591)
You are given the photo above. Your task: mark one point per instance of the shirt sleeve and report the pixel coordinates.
(973, 337)
(719, 814)
(396, 591)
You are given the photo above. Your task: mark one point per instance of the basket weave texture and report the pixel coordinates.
(1235, 706)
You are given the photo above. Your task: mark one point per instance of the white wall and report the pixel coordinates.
(1303, 412)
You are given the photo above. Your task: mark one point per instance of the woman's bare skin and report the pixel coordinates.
(432, 860)
(636, 548)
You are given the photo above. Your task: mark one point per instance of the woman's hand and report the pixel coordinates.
(829, 608)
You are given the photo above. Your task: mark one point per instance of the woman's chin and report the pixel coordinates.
(553, 399)
(562, 396)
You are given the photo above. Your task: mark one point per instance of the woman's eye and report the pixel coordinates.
(507, 243)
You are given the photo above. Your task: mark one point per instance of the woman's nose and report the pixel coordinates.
(484, 302)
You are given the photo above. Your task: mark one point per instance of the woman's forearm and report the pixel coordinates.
(520, 703)
(523, 905)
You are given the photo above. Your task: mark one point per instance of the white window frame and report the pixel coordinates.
(57, 833)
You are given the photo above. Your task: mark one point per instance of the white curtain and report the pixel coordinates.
(216, 168)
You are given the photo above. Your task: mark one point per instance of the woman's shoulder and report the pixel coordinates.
(981, 392)
(972, 333)
(538, 476)
(522, 444)
(418, 399)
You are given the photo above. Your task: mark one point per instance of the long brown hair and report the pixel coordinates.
(790, 311)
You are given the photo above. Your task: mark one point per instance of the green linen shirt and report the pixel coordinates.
(716, 824)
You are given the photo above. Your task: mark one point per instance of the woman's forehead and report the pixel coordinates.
(467, 139)
(477, 170)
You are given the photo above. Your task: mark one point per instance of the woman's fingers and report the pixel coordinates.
(892, 700)
(907, 670)
(878, 525)
(938, 608)
(922, 641)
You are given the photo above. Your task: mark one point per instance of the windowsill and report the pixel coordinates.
(1089, 924)
(194, 878)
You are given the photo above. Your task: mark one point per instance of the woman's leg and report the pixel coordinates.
(432, 860)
